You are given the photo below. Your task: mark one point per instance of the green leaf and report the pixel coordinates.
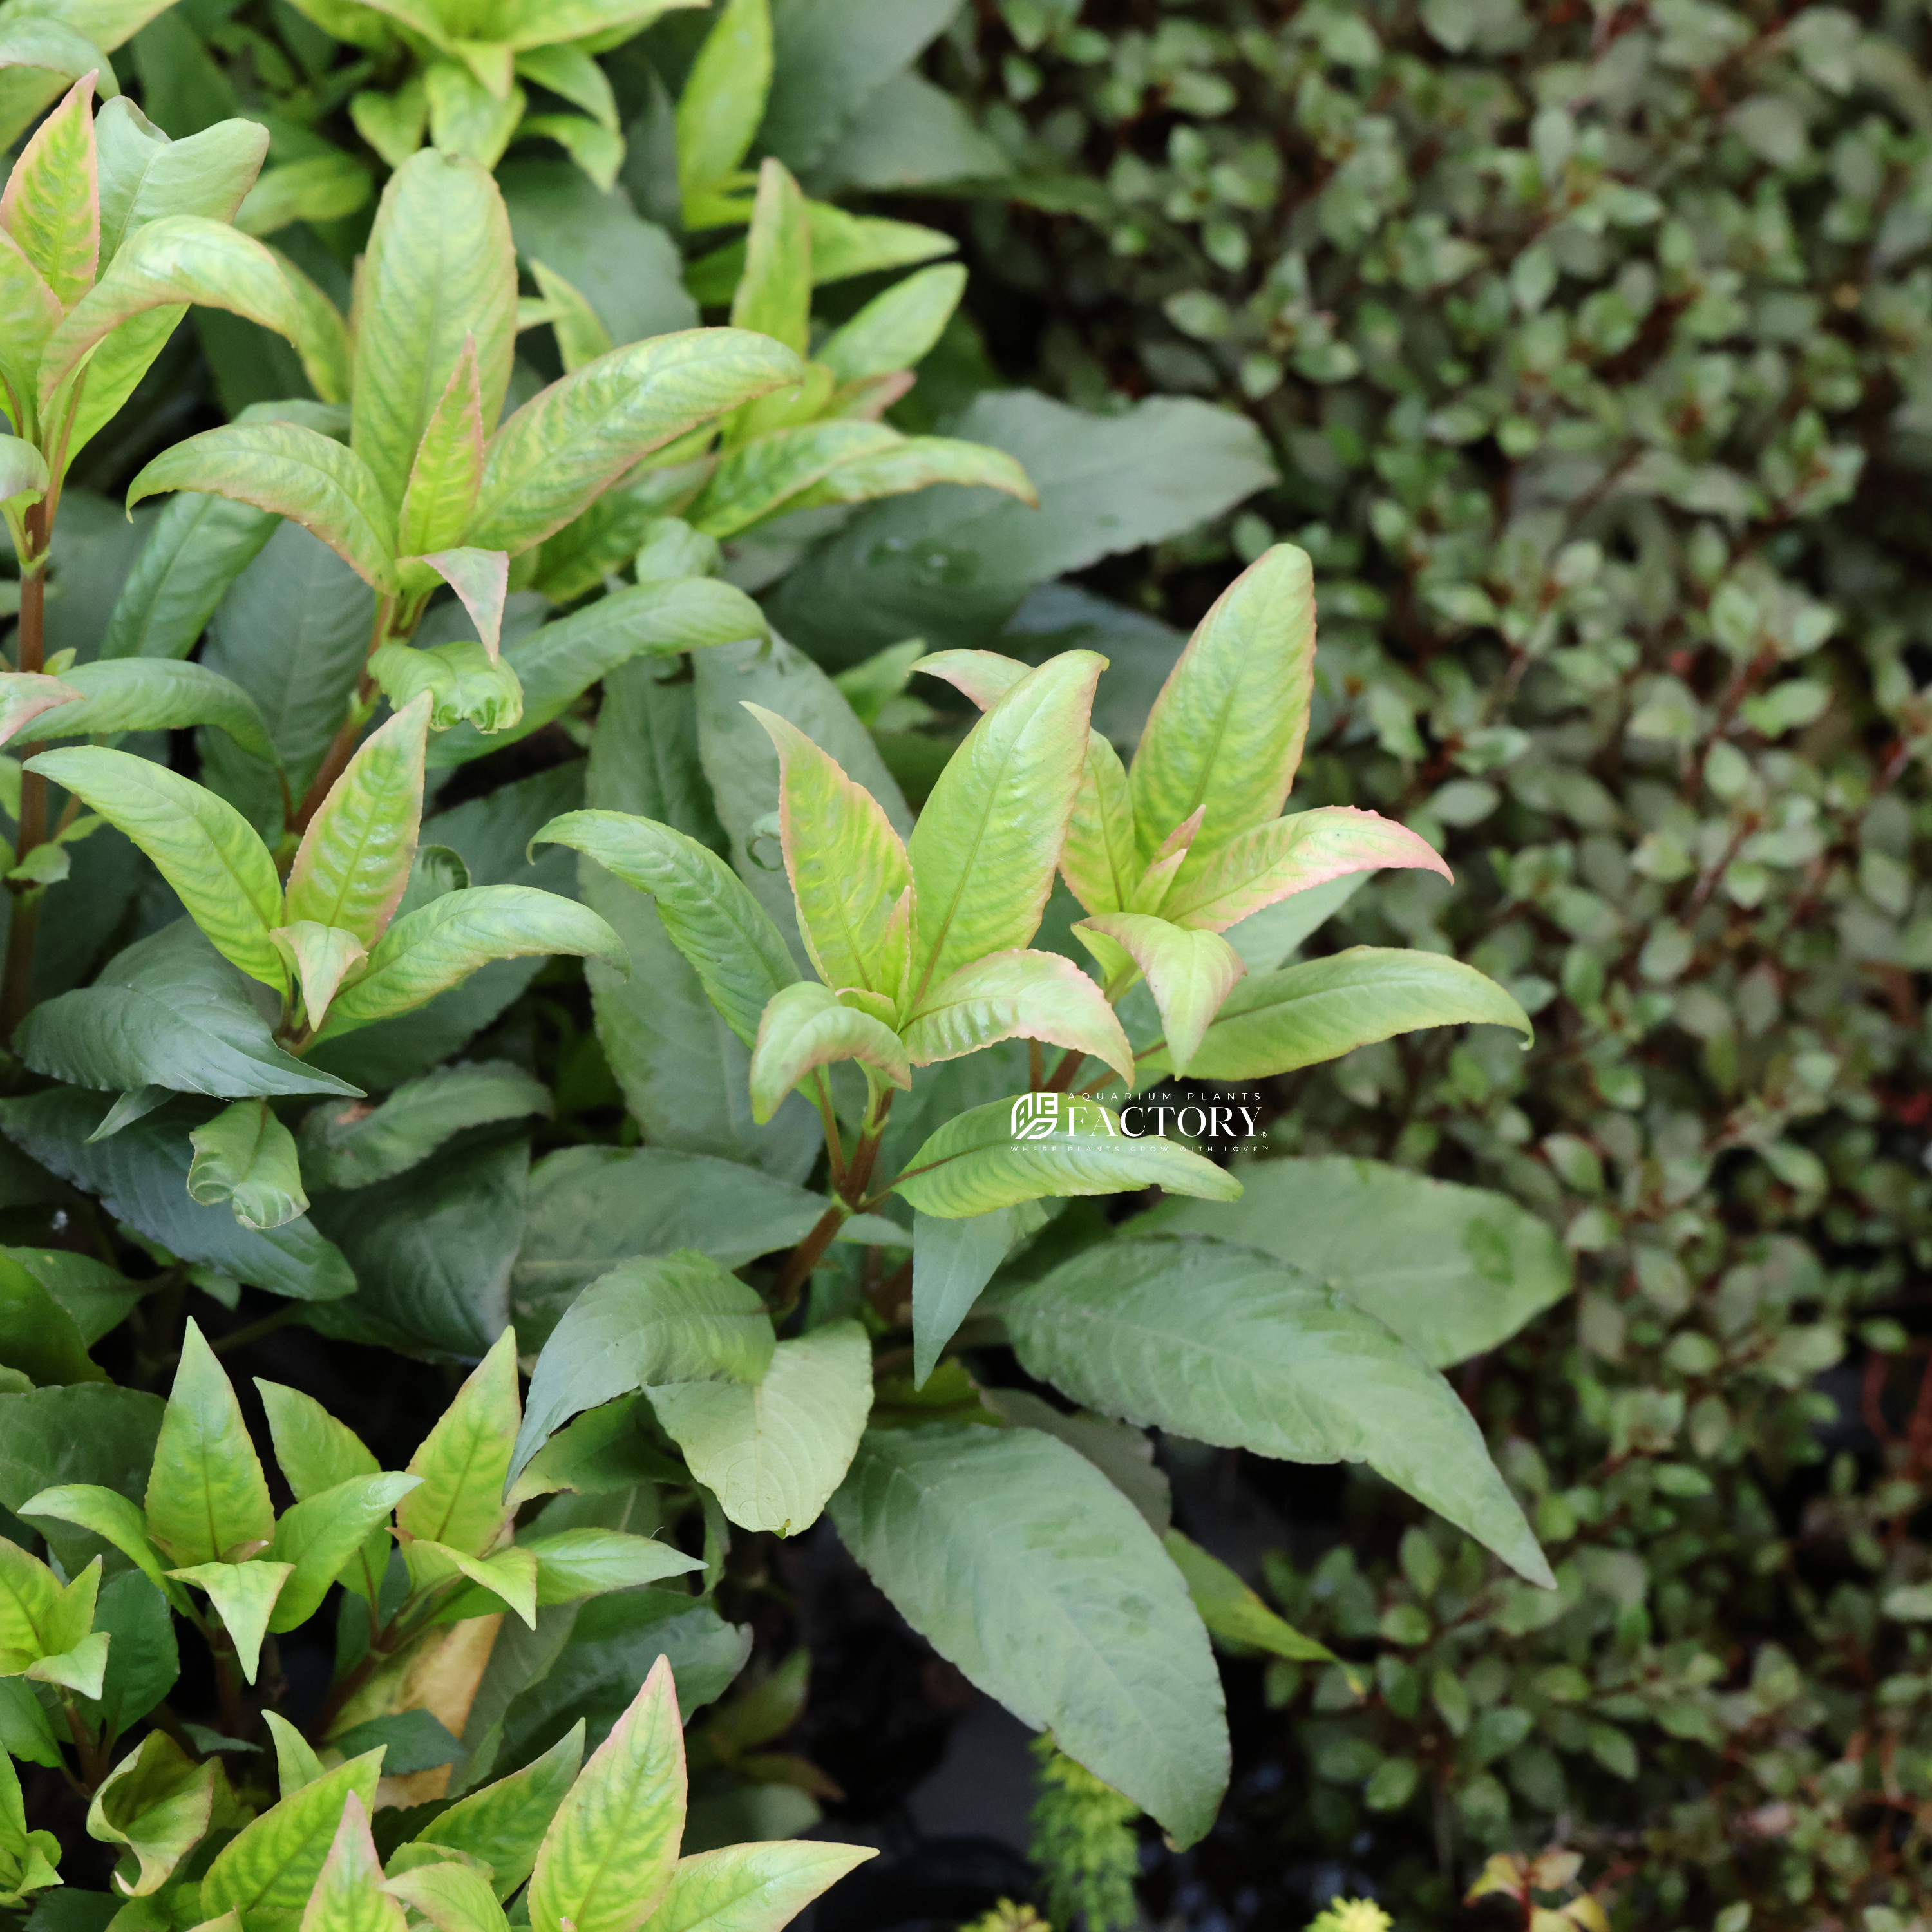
(440, 268)
(155, 695)
(723, 102)
(662, 1318)
(246, 1157)
(1455, 1271)
(1230, 1346)
(709, 916)
(842, 245)
(556, 663)
(452, 1897)
(1189, 973)
(563, 448)
(203, 847)
(773, 1451)
(464, 683)
(752, 1887)
(915, 462)
(315, 1452)
(609, 1854)
(51, 207)
(90, 1433)
(952, 1261)
(1019, 1562)
(270, 1866)
(349, 1895)
(295, 1763)
(44, 1624)
(1017, 994)
(109, 1514)
(320, 957)
(319, 188)
(503, 1823)
(145, 176)
(170, 262)
(773, 473)
(321, 1535)
(157, 1802)
(352, 1147)
(194, 553)
(26, 695)
(294, 471)
(23, 471)
(986, 847)
(894, 331)
(481, 579)
(143, 1661)
(446, 940)
(1272, 862)
(467, 119)
(29, 311)
(1231, 1610)
(1225, 735)
(581, 334)
(207, 1496)
(464, 1462)
(244, 1596)
(774, 294)
(354, 860)
(804, 1027)
(140, 1176)
(1274, 1022)
(1009, 1151)
(577, 1563)
(848, 867)
(38, 1337)
(505, 1579)
(447, 467)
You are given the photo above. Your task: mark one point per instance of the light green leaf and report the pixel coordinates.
(23, 473)
(556, 663)
(916, 462)
(145, 176)
(952, 1260)
(321, 1535)
(354, 860)
(109, 1515)
(1274, 1022)
(204, 848)
(464, 1462)
(986, 847)
(1019, 1562)
(481, 579)
(467, 120)
(1017, 995)
(842, 245)
(581, 334)
(608, 1856)
(895, 330)
(296, 1763)
(44, 1624)
(1231, 1610)
(723, 101)
(503, 1823)
(171, 1012)
(752, 1887)
(805, 1026)
(1454, 1270)
(662, 1318)
(26, 695)
(207, 1497)
(774, 294)
(464, 683)
(157, 1802)
(29, 312)
(575, 1563)
(270, 1866)
(1272, 862)
(1189, 973)
(349, 1895)
(568, 72)
(848, 867)
(565, 447)
(773, 1451)
(708, 913)
(315, 1452)
(447, 467)
(1270, 937)
(445, 941)
(1225, 732)
(440, 269)
(245, 1157)
(1009, 1151)
(452, 1897)
(154, 694)
(320, 957)
(318, 188)
(354, 1147)
(244, 1596)
(51, 207)
(506, 1579)
(1230, 1346)
(772, 473)
(169, 263)
(294, 471)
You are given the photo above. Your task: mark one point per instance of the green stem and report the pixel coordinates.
(16, 978)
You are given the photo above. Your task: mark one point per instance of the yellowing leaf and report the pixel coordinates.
(272, 1866)
(157, 1802)
(321, 1535)
(756, 1888)
(503, 1823)
(319, 956)
(448, 465)
(464, 1461)
(207, 1496)
(244, 1596)
(805, 1026)
(1017, 995)
(51, 207)
(453, 1898)
(607, 1858)
(349, 1895)
(1189, 973)
(481, 579)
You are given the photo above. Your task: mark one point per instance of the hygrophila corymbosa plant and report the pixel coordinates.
(1009, 1549)
(210, 1829)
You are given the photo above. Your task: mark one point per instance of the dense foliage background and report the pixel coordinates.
(1588, 351)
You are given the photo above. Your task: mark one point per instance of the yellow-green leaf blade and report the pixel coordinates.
(270, 1866)
(156, 1802)
(244, 1596)
(806, 1026)
(206, 1494)
(1017, 995)
(349, 1895)
(464, 1462)
(1189, 973)
(52, 207)
(448, 467)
